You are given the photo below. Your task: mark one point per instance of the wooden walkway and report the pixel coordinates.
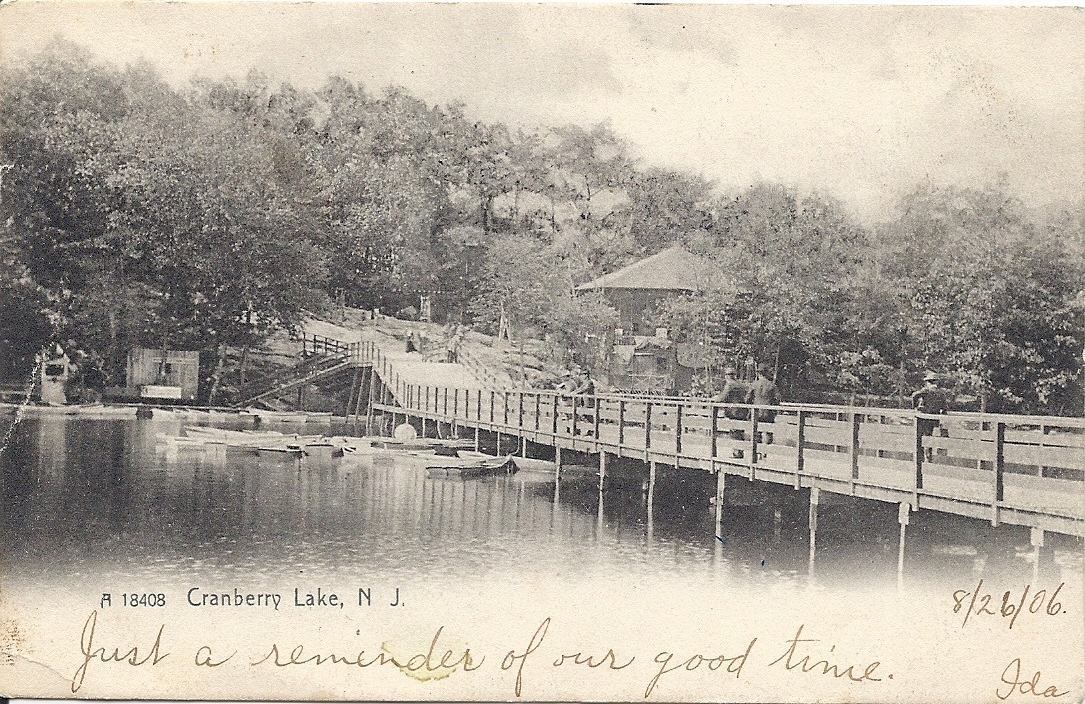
(1023, 470)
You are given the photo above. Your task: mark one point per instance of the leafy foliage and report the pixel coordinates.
(134, 213)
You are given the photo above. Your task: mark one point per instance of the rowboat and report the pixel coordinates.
(289, 416)
(183, 413)
(421, 444)
(92, 410)
(474, 468)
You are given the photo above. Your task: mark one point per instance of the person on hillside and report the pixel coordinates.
(929, 399)
(450, 342)
(734, 391)
(455, 339)
(763, 392)
(412, 346)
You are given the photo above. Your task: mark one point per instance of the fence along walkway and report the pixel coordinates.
(1024, 470)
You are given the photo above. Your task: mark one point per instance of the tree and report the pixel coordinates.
(989, 295)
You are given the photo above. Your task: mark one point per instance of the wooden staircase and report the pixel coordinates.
(307, 372)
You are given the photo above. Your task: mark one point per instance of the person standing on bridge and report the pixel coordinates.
(763, 392)
(734, 392)
(585, 386)
(930, 399)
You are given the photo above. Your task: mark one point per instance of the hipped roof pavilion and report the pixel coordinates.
(673, 269)
(635, 288)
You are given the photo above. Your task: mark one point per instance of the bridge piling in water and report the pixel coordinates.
(813, 521)
(721, 484)
(1036, 540)
(903, 510)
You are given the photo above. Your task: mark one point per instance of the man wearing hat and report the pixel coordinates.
(929, 399)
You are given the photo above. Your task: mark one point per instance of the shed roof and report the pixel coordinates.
(673, 269)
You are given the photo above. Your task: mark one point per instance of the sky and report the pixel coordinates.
(860, 103)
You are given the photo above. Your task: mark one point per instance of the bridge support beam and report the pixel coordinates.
(902, 518)
(476, 439)
(602, 478)
(651, 486)
(498, 451)
(813, 516)
(557, 463)
(373, 381)
(721, 483)
(523, 446)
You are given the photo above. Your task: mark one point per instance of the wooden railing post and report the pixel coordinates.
(999, 469)
(538, 410)
(855, 418)
(647, 425)
(554, 416)
(575, 399)
(493, 394)
(596, 405)
(520, 412)
(918, 454)
(621, 422)
(800, 459)
(678, 428)
(753, 439)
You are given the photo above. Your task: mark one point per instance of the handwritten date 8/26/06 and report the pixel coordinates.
(979, 602)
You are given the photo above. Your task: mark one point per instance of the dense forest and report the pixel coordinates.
(209, 217)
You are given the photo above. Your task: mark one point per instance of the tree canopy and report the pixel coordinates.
(208, 217)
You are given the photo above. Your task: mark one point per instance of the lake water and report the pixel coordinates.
(96, 506)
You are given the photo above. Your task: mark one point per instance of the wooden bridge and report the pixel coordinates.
(1022, 470)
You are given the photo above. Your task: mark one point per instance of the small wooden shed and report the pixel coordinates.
(167, 374)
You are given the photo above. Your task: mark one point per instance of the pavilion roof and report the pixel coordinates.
(673, 269)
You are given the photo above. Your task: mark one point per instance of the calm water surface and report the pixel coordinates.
(103, 500)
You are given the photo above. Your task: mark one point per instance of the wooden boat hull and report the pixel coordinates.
(472, 470)
(444, 447)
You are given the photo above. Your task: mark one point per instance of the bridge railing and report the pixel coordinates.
(1030, 463)
(1023, 463)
